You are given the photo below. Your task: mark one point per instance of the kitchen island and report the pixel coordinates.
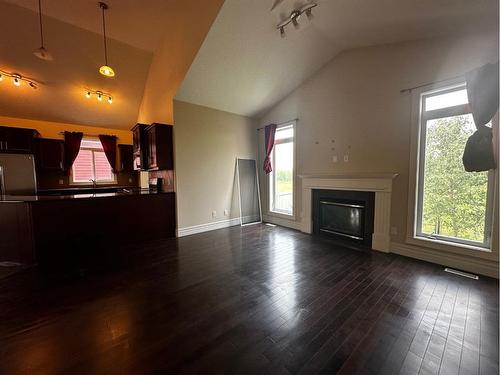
(81, 229)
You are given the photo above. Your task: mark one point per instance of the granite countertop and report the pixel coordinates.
(43, 198)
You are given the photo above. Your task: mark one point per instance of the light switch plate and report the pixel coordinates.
(214, 214)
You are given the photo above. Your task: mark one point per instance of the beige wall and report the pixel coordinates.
(354, 106)
(174, 56)
(207, 143)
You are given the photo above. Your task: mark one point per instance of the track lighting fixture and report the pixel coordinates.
(18, 79)
(295, 16)
(100, 95)
(105, 70)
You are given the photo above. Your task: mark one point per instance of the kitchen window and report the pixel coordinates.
(91, 164)
(281, 179)
(452, 206)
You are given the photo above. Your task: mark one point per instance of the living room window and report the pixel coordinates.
(281, 179)
(452, 206)
(91, 164)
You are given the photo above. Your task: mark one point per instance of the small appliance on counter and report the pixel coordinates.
(17, 174)
(156, 184)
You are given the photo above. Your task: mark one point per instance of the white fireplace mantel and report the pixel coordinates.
(381, 184)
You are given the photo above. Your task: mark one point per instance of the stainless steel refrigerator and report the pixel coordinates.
(17, 174)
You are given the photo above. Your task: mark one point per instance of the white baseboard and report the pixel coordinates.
(282, 222)
(187, 231)
(474, 265)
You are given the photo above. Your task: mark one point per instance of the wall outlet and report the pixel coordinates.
(214, 214)
(226, 212)
(335, 158)
(346, 158)
(61, 182)
(394, 231)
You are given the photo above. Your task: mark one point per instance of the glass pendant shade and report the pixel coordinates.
(43, 54)
(107, 71)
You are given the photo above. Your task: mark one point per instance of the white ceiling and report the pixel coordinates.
(245, 67)
(139, 23)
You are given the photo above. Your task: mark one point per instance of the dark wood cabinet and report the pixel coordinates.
(140, 148)
(49, 154)
(160, 147)
(126, 158)
(17, 140)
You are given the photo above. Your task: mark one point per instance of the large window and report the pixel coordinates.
(453, 205)
(91, 164)
(281, 179)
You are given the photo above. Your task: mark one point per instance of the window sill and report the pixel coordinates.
(448, 246)
(281, 216)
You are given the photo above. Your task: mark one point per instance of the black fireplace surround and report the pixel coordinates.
(347, 216)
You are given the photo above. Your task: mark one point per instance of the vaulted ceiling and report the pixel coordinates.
(245, 67)
(137, 31)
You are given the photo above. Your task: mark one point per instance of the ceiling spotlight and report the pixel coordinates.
(307, 9)
(41, 52)
(88, 94)
(294, 17)
(110, 100)
(99, 96)
(105, 70)
(16, 79)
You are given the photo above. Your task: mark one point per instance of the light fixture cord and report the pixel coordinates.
(40, 19)
(104, 34)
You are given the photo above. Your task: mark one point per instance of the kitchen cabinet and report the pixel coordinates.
(126, 158)
(160, 147)
(140, 148)
(49, 154)
(17, 140)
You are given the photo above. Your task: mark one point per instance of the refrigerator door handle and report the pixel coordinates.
(2, 184)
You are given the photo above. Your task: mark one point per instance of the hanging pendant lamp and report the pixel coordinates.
(105, 70)
(41, 52)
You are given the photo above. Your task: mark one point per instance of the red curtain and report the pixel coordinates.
(72, 142)
(270, 131)
(109, 146)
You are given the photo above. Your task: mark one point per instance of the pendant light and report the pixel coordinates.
(41, 52)
(105, 70)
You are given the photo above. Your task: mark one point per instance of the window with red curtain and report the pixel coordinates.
(92, 164)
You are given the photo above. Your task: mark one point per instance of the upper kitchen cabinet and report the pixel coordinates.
(49, 154)
(17, 140)
(140, 148)
(160, 147)
(126, 158)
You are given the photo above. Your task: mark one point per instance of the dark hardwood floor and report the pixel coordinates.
(252, 300)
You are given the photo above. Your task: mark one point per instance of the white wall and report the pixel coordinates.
(207, 143)
(353, 106)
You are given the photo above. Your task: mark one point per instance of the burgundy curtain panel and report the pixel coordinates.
(108, 143)
(270, 132)
(72, 142)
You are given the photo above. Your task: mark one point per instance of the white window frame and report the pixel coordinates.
(271, 176)
(420, 118)
(100, 182)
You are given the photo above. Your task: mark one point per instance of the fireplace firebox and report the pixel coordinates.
(344, 215)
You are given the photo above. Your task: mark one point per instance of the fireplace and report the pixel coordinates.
(344, 215)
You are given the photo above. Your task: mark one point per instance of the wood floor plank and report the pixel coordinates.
(252, 300)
